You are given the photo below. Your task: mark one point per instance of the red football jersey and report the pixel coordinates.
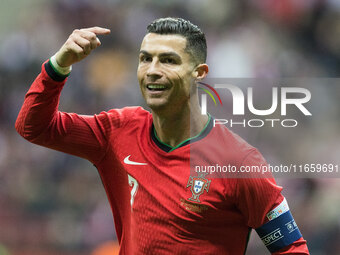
(159, 205)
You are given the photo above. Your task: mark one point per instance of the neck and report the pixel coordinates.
(178, 126)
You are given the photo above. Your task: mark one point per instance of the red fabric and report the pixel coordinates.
(163, 218)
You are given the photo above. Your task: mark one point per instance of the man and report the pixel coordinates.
(144, 158)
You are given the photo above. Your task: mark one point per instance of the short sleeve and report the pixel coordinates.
(256, 195)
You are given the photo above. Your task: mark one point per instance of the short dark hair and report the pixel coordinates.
(196, 43)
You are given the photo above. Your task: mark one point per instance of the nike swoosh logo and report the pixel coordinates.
(129, 162)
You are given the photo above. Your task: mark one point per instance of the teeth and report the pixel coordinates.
(152, 86)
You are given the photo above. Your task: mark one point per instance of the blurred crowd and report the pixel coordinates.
(53, 203)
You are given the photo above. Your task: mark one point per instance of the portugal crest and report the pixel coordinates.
(198, 184)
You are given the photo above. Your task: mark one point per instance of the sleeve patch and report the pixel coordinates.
(280, 209)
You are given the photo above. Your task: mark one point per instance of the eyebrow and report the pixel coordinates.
(164, 54)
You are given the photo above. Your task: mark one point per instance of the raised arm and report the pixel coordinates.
(39, 120)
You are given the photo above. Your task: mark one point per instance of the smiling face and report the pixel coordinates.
(166, 71)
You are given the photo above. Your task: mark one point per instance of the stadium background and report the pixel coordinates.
(52, 203)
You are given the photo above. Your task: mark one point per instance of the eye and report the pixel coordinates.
(169, 61)
(144, 58)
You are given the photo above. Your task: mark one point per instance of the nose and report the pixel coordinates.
(154, 70)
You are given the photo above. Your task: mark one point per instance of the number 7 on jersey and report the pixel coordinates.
(134, 184)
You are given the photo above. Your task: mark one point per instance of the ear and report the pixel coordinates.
(201, 71)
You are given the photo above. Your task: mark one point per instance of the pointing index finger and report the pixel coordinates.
(98, 30)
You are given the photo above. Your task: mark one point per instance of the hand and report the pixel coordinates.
(79, 45)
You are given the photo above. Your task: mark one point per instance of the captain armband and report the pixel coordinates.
(281, 230)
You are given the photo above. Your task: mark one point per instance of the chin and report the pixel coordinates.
(157, 104)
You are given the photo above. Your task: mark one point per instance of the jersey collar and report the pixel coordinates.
(167, 148)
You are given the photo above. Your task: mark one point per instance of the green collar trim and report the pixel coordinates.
(168, 148)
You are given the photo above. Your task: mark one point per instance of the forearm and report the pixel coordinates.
(40, 122)
(40, 108)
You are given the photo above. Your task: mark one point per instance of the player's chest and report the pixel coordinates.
(171, 190)
(167, 184)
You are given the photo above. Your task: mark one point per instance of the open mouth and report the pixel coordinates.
(156, 87)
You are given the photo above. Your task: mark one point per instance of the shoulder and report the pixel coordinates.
(118, 118)
(234, 147)
(126, 114)
(130, 112)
